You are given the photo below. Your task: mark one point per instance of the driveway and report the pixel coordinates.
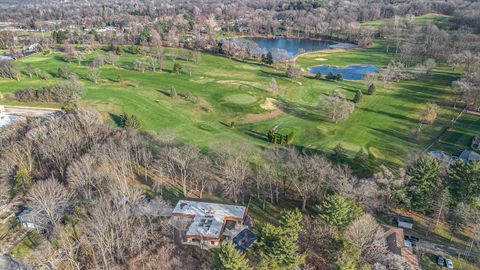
(433, 248)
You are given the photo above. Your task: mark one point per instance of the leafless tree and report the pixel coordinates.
(48, 201)
(337, 107)
(94, 74)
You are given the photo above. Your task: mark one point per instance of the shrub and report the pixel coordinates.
(318, 75)
(371, 89)
(339, 77)
(26, 95)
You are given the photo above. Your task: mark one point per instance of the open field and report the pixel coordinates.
(230, 90)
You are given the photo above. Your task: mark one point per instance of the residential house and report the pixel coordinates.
(206, 224)
(466, 155)
(396, 244)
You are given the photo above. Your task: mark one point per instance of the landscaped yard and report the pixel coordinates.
(230, 90)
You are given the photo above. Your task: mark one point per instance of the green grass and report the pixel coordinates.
(26, 246)
(229, 90)
(441, 21)
(427, 261)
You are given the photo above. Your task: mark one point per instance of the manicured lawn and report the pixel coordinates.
(230, 90)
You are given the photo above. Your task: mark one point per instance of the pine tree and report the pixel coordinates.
(22, 180)
(339, 211)
(358, 96)
(280, 247)
(330, 76)
(269, 59)
(361, 159)
(464, 181)
(371, 89)
(177, 68)
(424, 183)
(318, 75)
(339, 154)
(230, 259)
(339, 77)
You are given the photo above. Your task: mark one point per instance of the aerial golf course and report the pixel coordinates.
(227, 90)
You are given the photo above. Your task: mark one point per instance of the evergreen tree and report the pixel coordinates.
(330, 76)
(345, 254)
(371, 89)
(339, 77)
(22, 180)
(318, 75)
(424, 183)
(177, 68)
(339, 154)
(464, 181)
(269, 58)
(358, 96)
(230, 259)
(339, 211)
(361, 159)
(280, 247)
(130, 121)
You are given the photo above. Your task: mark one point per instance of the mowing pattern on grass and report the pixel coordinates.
(229, 90)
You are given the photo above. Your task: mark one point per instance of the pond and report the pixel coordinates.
(292, 45)
(352, 72)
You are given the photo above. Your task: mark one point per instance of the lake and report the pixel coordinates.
(292, 45)
(352, 72)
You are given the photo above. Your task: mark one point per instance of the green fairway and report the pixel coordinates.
(228, 90)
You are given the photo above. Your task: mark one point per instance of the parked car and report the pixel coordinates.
(449, 263)
(440, 260)
(411, 238)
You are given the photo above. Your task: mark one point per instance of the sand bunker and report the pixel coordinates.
(321, 59)
(269, 104)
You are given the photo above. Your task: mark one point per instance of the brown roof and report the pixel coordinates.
(395, 243)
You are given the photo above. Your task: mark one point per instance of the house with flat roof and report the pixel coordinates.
(206, 224)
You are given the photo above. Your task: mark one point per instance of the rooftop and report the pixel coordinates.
(6, 119)
(208, 218)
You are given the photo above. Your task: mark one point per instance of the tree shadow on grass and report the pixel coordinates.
(257, 135)
(270, 74)
(390, 114)
(307, 112)
(166, 93)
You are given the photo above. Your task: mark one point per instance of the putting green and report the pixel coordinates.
(241, 99)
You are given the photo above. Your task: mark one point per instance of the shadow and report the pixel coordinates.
(257, 135)
(269, 73)
(390, 114)
(166, 93)
(301, 111)
(223, 123)
(116, 119)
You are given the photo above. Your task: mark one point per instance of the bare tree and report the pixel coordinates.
(48, 201)
(337, 107)
(94, 73)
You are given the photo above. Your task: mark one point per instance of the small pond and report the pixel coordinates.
(290, 46)
(352, 72)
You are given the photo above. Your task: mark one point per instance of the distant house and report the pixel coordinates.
(466, 155)
(397, 245)
(405, 222)
(206, 224)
